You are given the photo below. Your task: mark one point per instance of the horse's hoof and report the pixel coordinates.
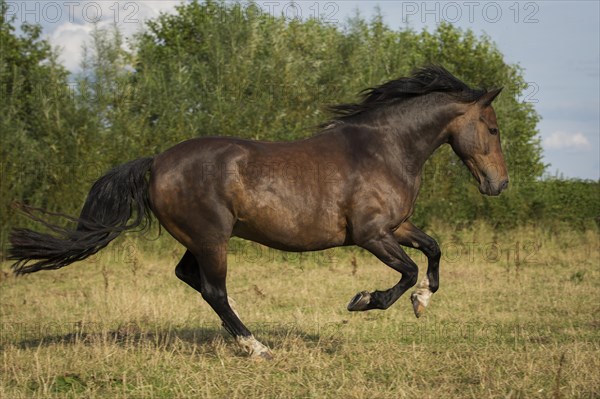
(418, 306)
(254, 348)
(263, 356)
(360, 302)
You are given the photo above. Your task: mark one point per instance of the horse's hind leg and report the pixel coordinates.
(206, 271)
(188, 271)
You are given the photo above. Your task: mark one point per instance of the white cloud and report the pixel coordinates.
(565, 140)
(70, 38)
(73, 30)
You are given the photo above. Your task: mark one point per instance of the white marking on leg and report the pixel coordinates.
(421, 296)
(254, 348)
(423, 292)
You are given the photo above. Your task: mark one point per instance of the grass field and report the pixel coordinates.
(517, 316)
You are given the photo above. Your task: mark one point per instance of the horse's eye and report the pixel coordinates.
(493, 130)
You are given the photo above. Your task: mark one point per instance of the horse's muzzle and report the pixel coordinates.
(493, 188)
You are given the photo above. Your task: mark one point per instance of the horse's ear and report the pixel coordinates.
(488, 97)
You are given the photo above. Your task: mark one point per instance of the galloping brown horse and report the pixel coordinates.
(354, 183)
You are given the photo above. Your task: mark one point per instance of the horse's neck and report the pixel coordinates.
(409, 139)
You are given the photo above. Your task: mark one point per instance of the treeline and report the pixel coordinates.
(223, 69)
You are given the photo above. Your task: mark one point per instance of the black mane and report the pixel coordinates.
(423, 81)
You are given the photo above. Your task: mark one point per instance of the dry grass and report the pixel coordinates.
(517, 316)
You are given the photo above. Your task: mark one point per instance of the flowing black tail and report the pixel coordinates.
(108, 207)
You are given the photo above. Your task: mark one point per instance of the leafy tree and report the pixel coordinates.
(40, 124)
(216, 68)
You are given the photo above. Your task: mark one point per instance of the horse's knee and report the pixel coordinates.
(434, 250)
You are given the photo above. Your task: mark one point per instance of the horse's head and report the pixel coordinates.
(475, 138)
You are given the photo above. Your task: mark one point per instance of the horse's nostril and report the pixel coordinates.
(504, 184)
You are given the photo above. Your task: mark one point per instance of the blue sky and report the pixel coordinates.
(556, 42)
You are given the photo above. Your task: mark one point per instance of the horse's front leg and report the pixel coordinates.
(389, 251)
(410, 236)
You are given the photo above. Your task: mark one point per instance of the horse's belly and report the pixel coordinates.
(293, 232)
